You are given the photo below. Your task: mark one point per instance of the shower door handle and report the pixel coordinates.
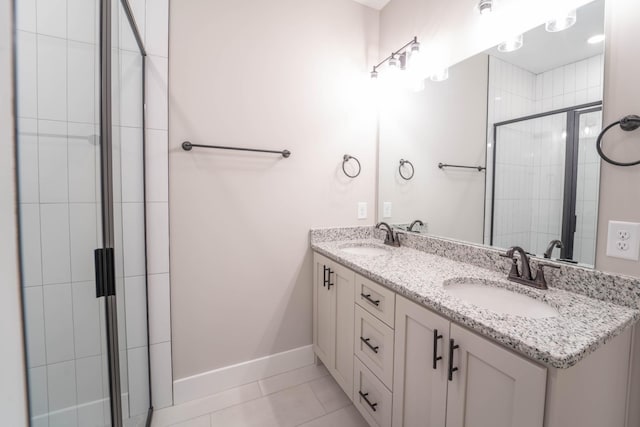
(105, 272)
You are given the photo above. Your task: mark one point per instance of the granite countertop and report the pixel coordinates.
(583, 324)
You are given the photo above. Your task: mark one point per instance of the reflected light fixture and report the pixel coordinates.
(485, 7)
(561, 22)
(440, 76)
(598, 38)
(512, 44)
(397, 61)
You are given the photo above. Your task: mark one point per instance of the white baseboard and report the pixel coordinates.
(212, 382)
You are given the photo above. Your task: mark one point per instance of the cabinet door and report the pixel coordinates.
(492, 386)
(419, 389)
(343, 281)
(324, 309)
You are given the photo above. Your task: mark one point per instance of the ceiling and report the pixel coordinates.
(544, 51)
(375, 4)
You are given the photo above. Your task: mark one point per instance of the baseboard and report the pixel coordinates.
(211, 382)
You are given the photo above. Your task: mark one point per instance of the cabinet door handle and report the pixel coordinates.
(371, 405)
(368, 298)
(366, 341)
(329, 284)
(325, 280)
(436, 337)
(452, 346)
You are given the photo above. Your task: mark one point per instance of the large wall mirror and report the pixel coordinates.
(500, 148)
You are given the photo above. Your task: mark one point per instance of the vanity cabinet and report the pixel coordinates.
(445, 372)
(404, 365)
(333, 314)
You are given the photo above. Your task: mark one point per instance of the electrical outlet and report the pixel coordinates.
(623, 240)
(623, 235)
(386, 210)
(362, 210)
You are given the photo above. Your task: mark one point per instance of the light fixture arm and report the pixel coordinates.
(395, 53)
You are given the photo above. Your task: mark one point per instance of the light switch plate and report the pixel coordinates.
(623, 240)
(386, 210)
(362, 210)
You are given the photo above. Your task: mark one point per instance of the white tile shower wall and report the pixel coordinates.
(531, 199)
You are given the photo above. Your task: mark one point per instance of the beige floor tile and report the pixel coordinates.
(345, 417)
(329, 393)
(287, 408)
(204, 421)
(292, 378)
(195, 408)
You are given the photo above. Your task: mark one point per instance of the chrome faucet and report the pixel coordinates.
(413, 224)
(552, 245)
(392, 238)
(523, 275)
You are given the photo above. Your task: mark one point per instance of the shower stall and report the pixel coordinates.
(545, 181)
(80, 69)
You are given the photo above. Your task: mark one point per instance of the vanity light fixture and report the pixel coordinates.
(440, 75)
(512, 44)
(561, 22)
(485, 7)
(598, 38)
(398, 59)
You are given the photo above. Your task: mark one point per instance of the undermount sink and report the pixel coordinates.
(499, 300)
(366, 250)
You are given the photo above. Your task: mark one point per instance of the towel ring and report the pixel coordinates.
(627, 123)
(406, 162)
(345, 159)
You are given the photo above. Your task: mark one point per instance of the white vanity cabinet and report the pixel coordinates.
(404, 365)
(333, 314)
(444, 372)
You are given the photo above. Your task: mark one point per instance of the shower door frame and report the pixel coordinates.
(106, 166)
(571, 168)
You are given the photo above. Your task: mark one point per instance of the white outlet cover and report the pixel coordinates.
(615, 248)
(362, 210)
(386, 210)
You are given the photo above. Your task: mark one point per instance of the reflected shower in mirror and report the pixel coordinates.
(530, 116)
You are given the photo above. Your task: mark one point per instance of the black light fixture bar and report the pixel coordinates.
(394, 54)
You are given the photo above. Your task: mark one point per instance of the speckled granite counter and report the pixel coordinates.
(584, 323)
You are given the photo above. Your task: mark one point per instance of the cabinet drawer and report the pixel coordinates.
(376, 299)
(374, 345)
(370, 396)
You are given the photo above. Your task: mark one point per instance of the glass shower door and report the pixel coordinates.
(127, 116)
(59, 162)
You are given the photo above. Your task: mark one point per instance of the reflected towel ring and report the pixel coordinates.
(406, 162)
(627, 123)
(345, 159)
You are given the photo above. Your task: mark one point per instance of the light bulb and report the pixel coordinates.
(598, 38)
(561, 22)
(512, 44)
(393, 62)
(440, 75)
(374, 74)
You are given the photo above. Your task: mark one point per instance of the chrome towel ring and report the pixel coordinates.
(345, 159)
(627, 123)
(406, 162)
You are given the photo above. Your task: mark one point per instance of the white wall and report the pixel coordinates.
(445, 122)
(272, 75)
(13, 402)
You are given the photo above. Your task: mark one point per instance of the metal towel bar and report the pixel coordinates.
(188, 146)
(444, 165)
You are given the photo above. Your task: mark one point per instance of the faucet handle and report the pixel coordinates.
(541, 281)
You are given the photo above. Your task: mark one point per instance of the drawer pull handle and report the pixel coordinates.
(366, 341)
(371, 405)
(368, 298)
(436, 337)
(452, 347)
(329, 284)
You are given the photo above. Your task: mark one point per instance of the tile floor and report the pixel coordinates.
(307, 397)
